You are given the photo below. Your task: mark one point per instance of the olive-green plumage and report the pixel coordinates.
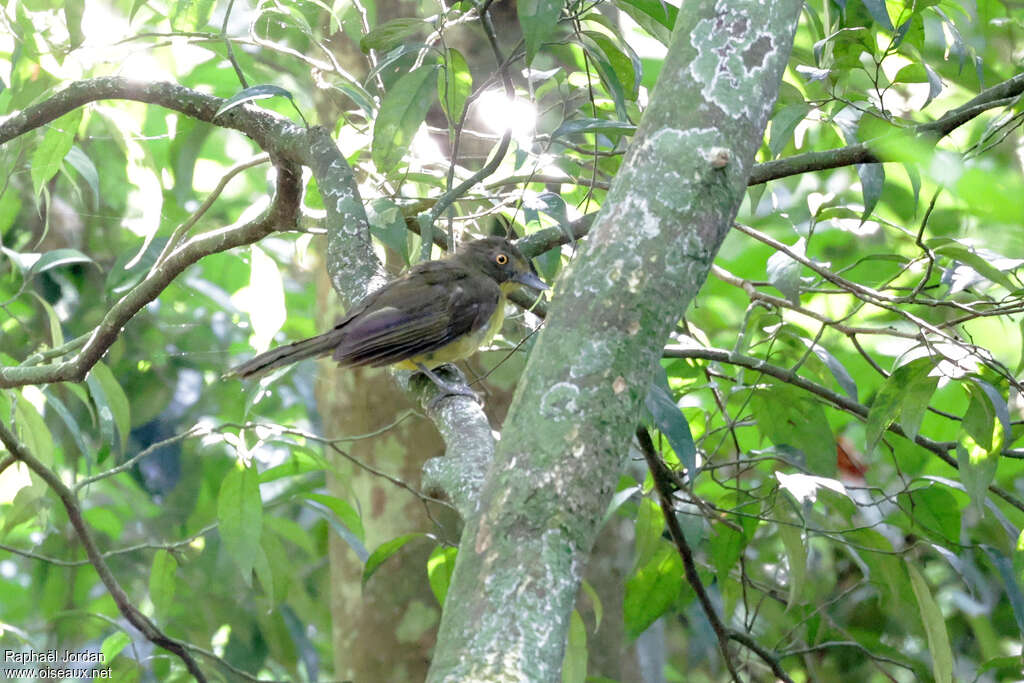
(439, 312)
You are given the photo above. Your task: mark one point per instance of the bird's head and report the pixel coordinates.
(498, 258)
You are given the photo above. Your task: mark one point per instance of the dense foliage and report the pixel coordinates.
(850, 481)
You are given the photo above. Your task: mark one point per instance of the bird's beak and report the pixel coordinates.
(530, 280)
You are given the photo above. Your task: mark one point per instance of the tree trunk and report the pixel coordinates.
(568, 431)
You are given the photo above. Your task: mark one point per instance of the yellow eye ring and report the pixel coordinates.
(501, 259)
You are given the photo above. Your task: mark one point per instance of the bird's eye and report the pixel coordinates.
(501, 259)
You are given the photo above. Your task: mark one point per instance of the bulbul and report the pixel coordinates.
(439, 312)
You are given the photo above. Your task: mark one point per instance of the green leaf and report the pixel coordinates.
(838, 370)
(190, 15)
(783, 125)
(979, 263)
(934, 627)
(595, 602)
(666, 416)
(915, 404)
(345, 512)
(440, 567)
(726, 546)
(55, 145)
(905, 393)
(359, 96)
(879, 13)
(934, 510)
(69, 420)
(26, 504)
(56, 333)
(574, 664)
(300, 462)
(884, 568)
(383, 552)
(979, 421)
(756, 192)
(872, 180)
(625, 68)
(256, 92)
(796, 558)
(30, 426)
(391, 33)
(619, 499)
(549, 203)
(650, 523)
(1011, 583)
(292, 531)
(240, 513)
(136, 6)
(914, 176)
(343, 518)
(276, 573)
(10, 207)
(791, 417)
(658, 10)
(404, 108)
(454, 84)
(977, 466)
(934, 85)
(105, 521)
(911, 73)
(78, 160)
(73, 11)
(1009, 665)
(387, 223)
(539, 20)
(113, 644)
(999, 405)
(784, 272)
(651, 590)
(56, 259)
(162, 581)
(111, 403)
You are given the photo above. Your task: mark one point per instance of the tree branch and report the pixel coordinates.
(67, 497)
(666, 488)
(866, 152)
(997, 95)
(574, 412)
(283, 213)
(939, 448)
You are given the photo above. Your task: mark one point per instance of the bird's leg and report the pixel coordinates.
(448, 388)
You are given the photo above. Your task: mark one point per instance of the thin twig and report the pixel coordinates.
(182, 230)
(124, 604)
(231, 50)
(665, 487)
(939, 448)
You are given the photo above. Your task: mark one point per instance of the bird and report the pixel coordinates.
(439, 312)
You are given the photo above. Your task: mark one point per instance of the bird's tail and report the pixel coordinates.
(320, 345)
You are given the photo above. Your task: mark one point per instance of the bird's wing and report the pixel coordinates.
(418, 314)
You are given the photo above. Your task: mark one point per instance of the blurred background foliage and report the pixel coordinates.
(880, 294)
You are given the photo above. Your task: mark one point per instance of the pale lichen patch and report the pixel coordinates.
(559, 402)
(730, 51)
(594, 356)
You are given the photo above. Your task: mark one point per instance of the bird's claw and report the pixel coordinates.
(447, 388)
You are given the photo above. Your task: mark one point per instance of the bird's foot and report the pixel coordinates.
(447, 388)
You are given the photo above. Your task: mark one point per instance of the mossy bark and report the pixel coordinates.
(568, 431)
